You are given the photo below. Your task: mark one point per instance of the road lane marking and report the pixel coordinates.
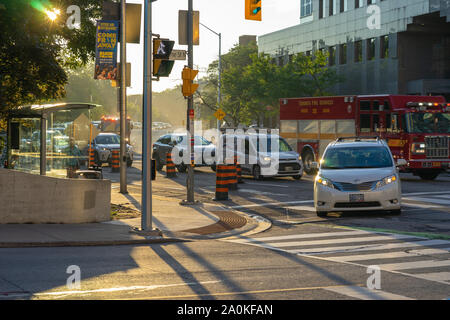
(302, 208)
(364, 293)
(431, 200)
(118, 289)
(280, 204)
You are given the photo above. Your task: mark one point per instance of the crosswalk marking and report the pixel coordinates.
(436, 276)
(366, 294)
(371, 247)
(346, 240)
(415, 265)
(360, 248)
(390, 255)
(304, 236)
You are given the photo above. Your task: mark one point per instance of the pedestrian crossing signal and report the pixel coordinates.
(253, 10)
(162, 65)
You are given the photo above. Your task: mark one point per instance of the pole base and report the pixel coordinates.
(148, 233)
(188, 203)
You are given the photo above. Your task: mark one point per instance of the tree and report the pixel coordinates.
(34, 50)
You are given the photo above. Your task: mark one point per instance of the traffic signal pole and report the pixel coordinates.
(123, 99)
(146, 218)
(190, 109)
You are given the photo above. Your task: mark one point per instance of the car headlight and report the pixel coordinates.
(325, 182)
(386, 181)
(104, 149)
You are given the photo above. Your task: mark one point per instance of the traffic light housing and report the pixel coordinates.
(162, 65)
(253, 10)
(188, 75)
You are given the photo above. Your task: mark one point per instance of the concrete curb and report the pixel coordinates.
(87, 243)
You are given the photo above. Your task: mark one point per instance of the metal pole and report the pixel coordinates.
(43, 149)
(219, 95)
(190, 122)
(146, 222)
(123, 99)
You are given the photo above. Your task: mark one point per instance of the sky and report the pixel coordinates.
(222, 16)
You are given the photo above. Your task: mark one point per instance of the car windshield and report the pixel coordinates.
(109, 139)
(356, 157)
(199, 140)
(283, 146)
(428, 122)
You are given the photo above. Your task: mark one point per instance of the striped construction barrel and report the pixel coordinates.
(221, 183)
(115, 161)
(170, 166)
(230, 174)
(92, 158)
(238, 170)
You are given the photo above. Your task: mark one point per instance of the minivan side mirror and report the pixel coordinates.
(314, 165)
(401, 162)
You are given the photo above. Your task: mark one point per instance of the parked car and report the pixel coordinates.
(168, 142)
(105, 143)
(278, 160)
(357, 174)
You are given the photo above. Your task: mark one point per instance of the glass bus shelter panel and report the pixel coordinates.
(26, 155)
(68, 136)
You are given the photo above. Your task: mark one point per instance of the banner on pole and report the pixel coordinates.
(106, 50)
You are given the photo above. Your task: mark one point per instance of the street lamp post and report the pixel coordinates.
(219, 93)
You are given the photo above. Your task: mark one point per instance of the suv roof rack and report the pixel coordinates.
(376, 138)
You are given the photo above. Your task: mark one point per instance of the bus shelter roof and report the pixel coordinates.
(37, 110)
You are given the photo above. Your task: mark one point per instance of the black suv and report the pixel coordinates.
(204, 151)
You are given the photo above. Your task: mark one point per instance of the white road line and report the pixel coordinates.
(335, 241)
(420, 205)
(390, 255)
(302, 208)
(373, 247)
(366, 294)
(415, 265)
(424, 193)
(302, 236)
(432, 200)
(266, 184)
(436, 276)
(270, 204)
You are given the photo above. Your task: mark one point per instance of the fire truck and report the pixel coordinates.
(112, 124)
(416, 128)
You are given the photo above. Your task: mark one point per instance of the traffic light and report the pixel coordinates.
(253, 10)
(188, 75)
(162, 48)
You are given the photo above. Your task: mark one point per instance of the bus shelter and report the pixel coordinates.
(50, 139)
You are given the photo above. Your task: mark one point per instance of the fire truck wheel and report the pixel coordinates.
(428, 175)
(321, 213)
(257, 173)
(308, 159)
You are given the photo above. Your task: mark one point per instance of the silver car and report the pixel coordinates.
(105, 143)
(357, 174)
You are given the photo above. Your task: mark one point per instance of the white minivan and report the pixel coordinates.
(357, 174)
(262, 155)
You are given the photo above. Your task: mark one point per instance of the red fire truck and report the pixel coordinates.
(416, 128)
(112, 124)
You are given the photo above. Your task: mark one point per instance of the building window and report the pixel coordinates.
(343, 53)
(369, 2)
(332, 56)
(321, 9)
(371, 49)
(384, 47)
(359, 4)
(308, 53)
(358, 51)
(306, 8)
(343, 6)
(331, 7)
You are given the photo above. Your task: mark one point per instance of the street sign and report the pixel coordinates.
(178, 55)
(183, 27)
(219, 114)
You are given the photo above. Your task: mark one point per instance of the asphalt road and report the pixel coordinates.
(300, 257)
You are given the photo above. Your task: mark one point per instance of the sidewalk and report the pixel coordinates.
(176, 222)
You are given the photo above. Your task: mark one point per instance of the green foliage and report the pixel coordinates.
(34, 50)
(252, 83)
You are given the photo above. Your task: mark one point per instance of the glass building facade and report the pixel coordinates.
(378, 46)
